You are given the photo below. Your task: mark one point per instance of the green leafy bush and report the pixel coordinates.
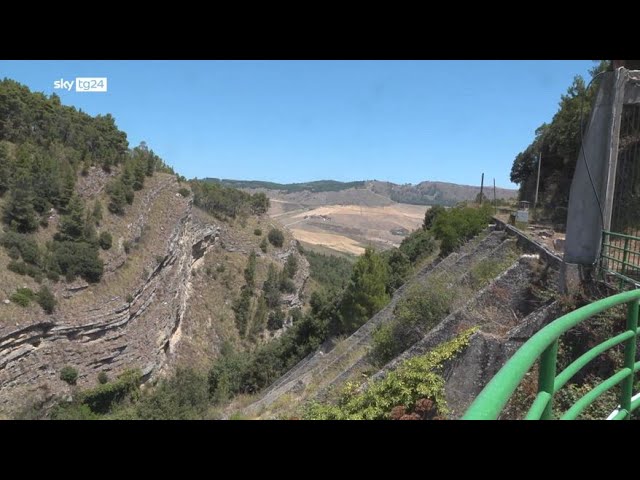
(415, 379)
(105, 241)
(263, 245)
(417, 313)
(69, 374)
(276, 237)
(22, 297)
(103, 378)
(456, 225)
(417, 245)
(46, 299)
(185, 192)
(78, 259)
(257, 232)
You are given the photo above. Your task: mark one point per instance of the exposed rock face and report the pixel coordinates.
(111, 335)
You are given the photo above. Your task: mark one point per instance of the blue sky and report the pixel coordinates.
(294, 121)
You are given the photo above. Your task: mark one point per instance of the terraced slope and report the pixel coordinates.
(333, 364)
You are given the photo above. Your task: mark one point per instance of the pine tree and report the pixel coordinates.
(139, 174)
(72, 225)
(259, 321)
(271, 287)
(250, 270)
(117, 197)
(5, 170)
(366, 292)
(97, 212)
(19, 213)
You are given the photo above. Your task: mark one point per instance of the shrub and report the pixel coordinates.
(185, 192)
(417, 245)
(17, 267)
(105, 240)
(69, 374)
(105, 396)
(453, 227)
(183, 396)
(220, 268)
(14, 253)
(78, 258)
(415, 314)
(22, 297)
(329, 270)
(431, 215)
(276, 237)
(46, 299)
(263, 245)
(103, 378)
(129, 298)
(276, 320)
(257, 232)
(415, 380)
(287, 285)
(291, 266)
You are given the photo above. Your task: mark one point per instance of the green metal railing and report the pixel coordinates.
(544, 345)
(620, 257)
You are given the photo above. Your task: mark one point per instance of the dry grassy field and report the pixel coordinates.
(348, 228)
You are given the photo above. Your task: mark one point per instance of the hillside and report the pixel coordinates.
(343, 218)
(436, 193)
(116, 272)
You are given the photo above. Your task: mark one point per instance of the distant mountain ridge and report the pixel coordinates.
(423, 193)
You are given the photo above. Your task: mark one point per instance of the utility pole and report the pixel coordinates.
(495, 202)
(535, 203)
(481, 188)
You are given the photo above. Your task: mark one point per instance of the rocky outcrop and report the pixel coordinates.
(139, 331)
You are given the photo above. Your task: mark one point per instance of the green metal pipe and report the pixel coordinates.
(621, 235)
(538, 406)
(626, 391)
(585, 358)
(588, 398)
(546, 377)
(493, 398)
(621, 415)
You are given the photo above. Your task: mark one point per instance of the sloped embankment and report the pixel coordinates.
(506, 312)
(128, 320)
(333, 364)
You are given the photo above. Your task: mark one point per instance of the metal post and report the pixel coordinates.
(629, 358)
(535, 203)
(481, 188)
(495, 201)
(547, 377)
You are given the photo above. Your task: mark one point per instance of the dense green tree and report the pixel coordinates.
(271, 287)
(559, 144)
(259, 203)
(46, 299)
(117, 198)
(19, 213)
(430, 216)
(242, 310)
(5, 169)
(366, 292)
(97, 212)
(259, 321)
(276, 237)
(250, 270)
(72, 225)
(291, 265)
(399, 267)
(418, 244)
